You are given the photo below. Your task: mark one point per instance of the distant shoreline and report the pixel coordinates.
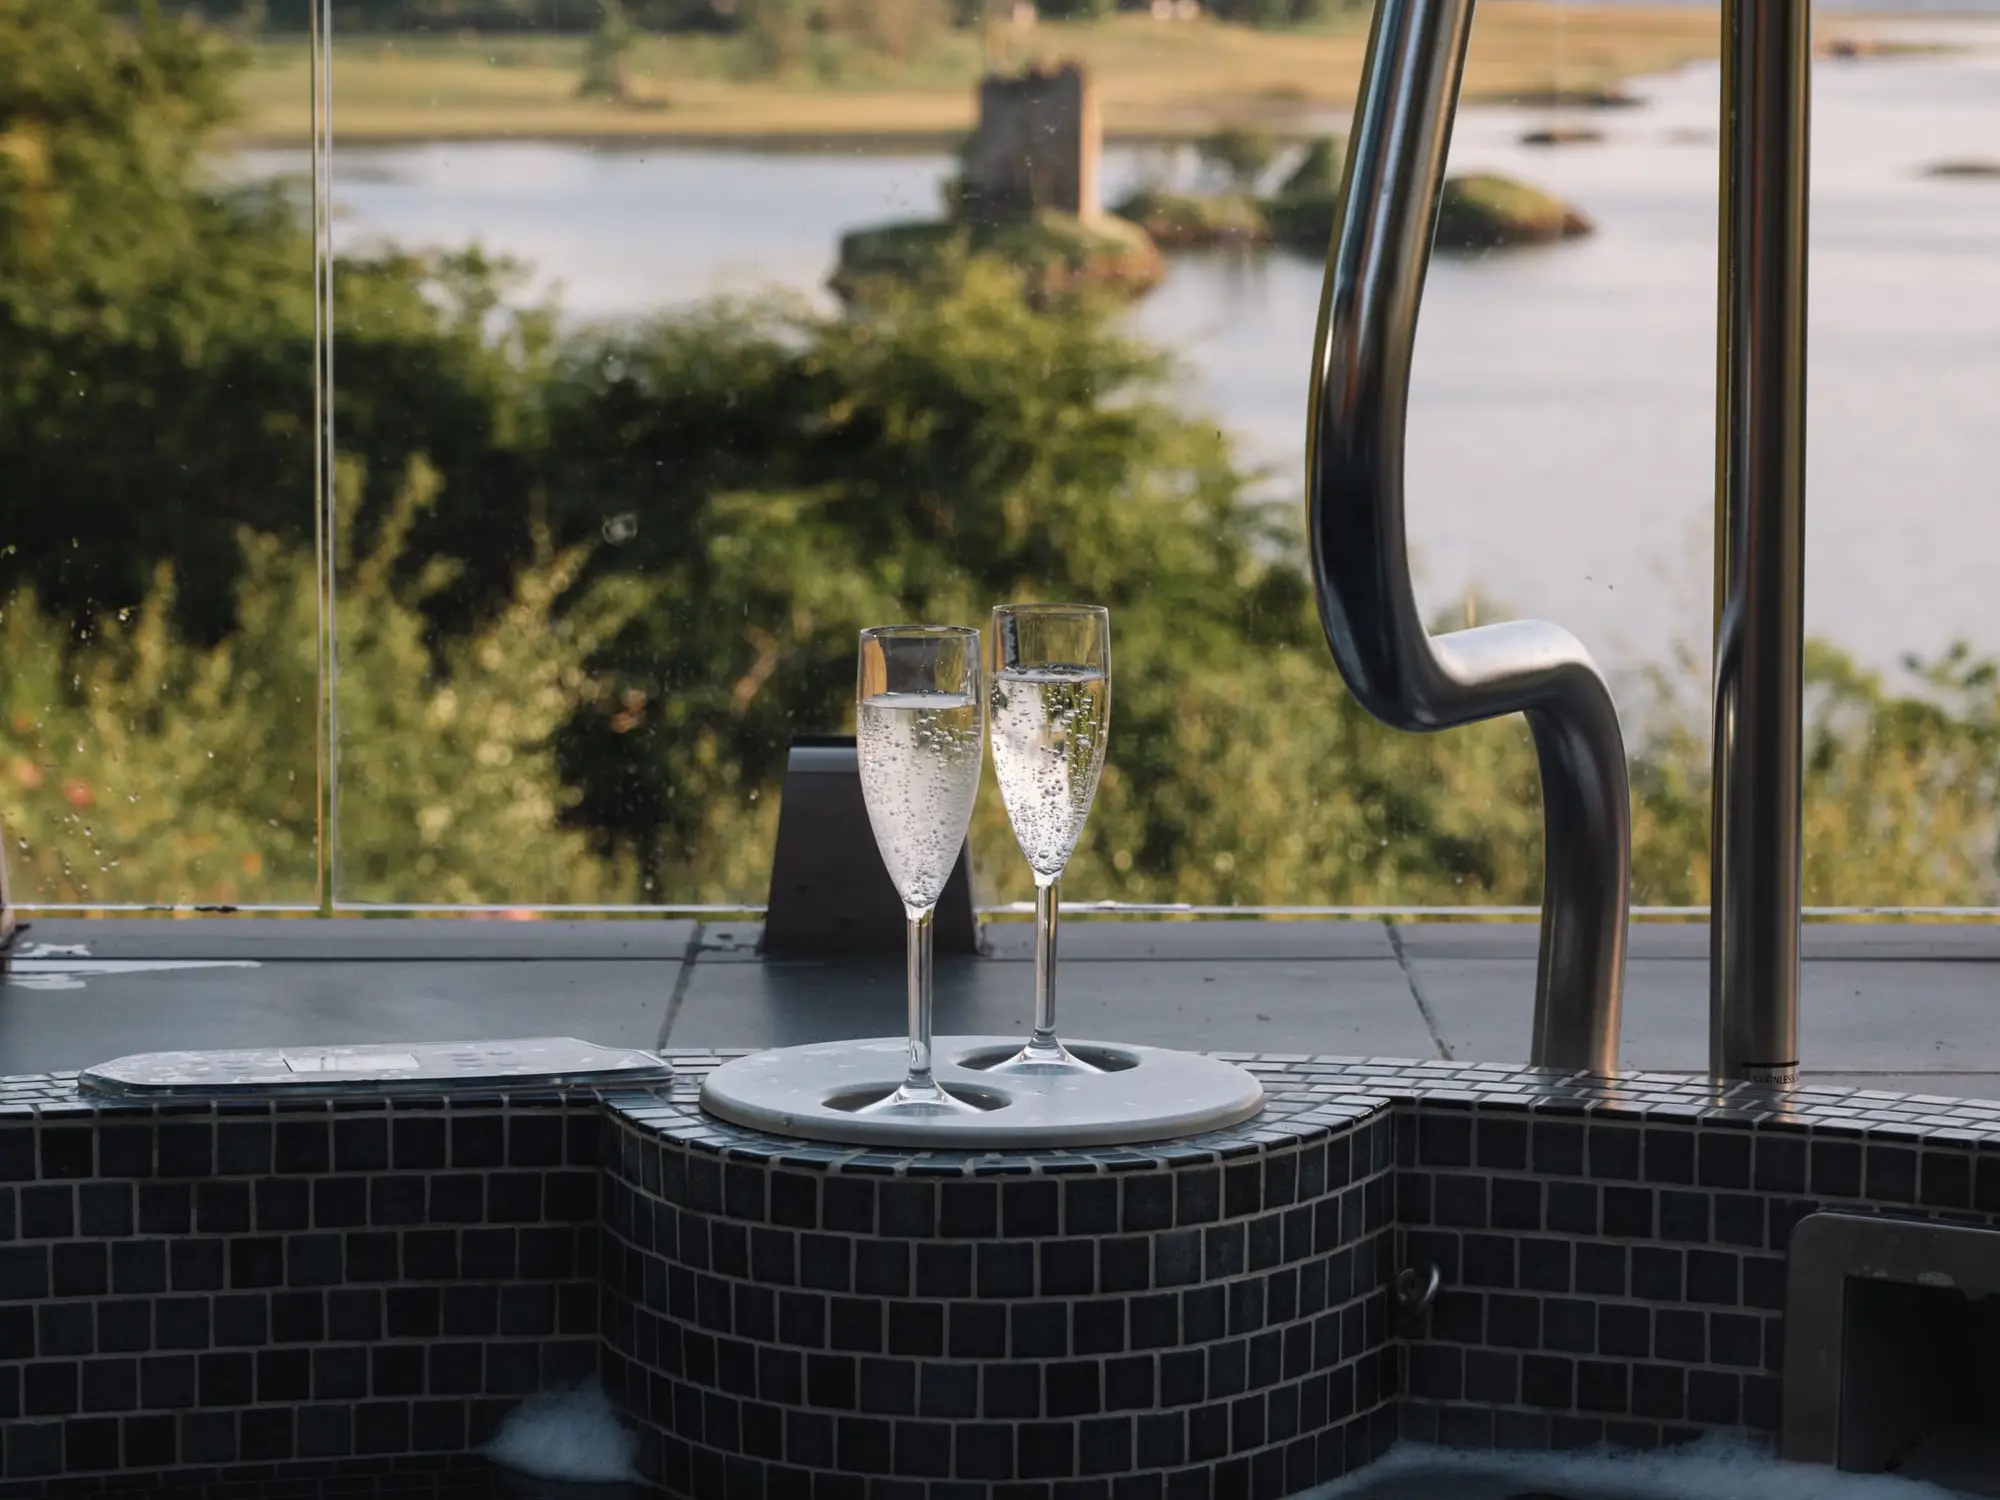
(1156, 82)
(782, 143)
(1159, 85)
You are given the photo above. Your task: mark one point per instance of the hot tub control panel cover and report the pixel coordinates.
(421, 1067)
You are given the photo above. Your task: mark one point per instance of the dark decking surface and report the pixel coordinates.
(1908, 1008)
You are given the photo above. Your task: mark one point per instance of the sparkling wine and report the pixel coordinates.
(920, 756)
(1049, 727)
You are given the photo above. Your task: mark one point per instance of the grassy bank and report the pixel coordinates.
(1155, 80)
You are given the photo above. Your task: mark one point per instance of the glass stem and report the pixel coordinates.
(1048, 898)
(919, 1083)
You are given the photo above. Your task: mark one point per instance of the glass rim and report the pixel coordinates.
(1052, 609)
(889, 632)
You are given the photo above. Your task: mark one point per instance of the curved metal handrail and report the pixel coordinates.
(1354, 474)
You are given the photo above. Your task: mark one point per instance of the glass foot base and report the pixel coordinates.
(1044, 1060)
(909, 1103)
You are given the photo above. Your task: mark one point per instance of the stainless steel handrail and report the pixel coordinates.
(1760, 542)
(1360, 557)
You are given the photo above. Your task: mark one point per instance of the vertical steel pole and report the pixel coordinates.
(1760, 542)
(326, 546)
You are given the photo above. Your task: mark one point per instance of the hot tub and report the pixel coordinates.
(240, 1288)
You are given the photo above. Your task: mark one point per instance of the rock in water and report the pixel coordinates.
(1476, 213)
(1562, 135)
(1304, 220)
(1180, 221)
(1484, 212)
(1968, 168)
(1059, 254)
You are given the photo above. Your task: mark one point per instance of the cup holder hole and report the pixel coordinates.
(1104, 1059)
(853, 1101)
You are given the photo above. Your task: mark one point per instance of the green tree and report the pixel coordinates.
(1271, 13)
(607, 56)
(778, 32)
(156, 336)
(795, 476)
(1253, 12)
(893, 29)
(136, 303)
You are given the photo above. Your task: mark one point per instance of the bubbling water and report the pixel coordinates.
(571, 1435)
(920, 761)
(1049, 726)
(1718, 1467)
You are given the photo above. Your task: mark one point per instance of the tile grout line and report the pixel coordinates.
(681, 982)
(1417, 992)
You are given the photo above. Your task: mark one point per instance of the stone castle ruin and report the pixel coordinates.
(1039, 143)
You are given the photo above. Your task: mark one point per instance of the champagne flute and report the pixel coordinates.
(1051, 712)
(919, 732)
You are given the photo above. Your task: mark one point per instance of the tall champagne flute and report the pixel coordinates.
(920, 731)
(1051, 715)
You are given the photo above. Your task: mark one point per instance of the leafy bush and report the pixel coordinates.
(607, 56)
(784, 34)
(1280, 12)
(136, 766)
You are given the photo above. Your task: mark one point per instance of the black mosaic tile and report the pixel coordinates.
(1558, 1148)
(1781, 1216)
(1513, 1322)
(1669, 1155)
(969, 1210)
(1572, 1208)
(1444, 1140)
(1725, 1158)
(1739, 1220)
(1986, 1184)
(1714, 1277)
(915, 1328)
(1684, 1217)
(1780, 1163)
(1628, 1212)
(1548, 1381)
(1714, 1397)
(1459, 1200)
(1836, 1169)
(1502, 1143)
(1945, 1179)
(1763, 1282)
(1569, 1325)
(1892, 1174)
(1614, 1153)
(68, 1152)
(1545, 1265)
(1657, 1274)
